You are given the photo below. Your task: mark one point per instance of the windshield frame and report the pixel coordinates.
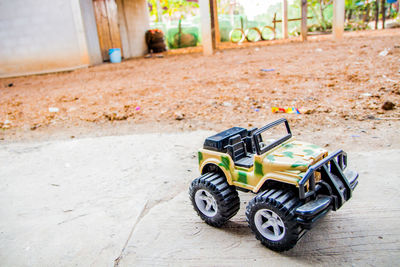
(257, 136)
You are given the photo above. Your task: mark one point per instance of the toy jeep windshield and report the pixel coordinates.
(296, 183)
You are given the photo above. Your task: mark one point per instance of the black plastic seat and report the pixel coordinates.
(246, 162)
(238, 152)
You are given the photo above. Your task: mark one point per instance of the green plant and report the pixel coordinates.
(170, 7)
(319, 8)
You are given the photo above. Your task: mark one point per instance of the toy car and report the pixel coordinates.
(296, 183)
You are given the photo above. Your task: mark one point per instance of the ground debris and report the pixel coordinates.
(179, 116)
(388, 105)
(115, 116)
(35, 126)
(385, 52)
(5, 125)
(307, 111)
(54, 110)
(370, 117)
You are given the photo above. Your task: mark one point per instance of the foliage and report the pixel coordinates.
(228, 7)
(319, 8)
(355, 26)
(351, 4)
(358, 14)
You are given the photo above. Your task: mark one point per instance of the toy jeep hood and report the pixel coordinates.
(295, 155)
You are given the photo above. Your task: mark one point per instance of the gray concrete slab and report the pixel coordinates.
(88, 202)
(74, 202)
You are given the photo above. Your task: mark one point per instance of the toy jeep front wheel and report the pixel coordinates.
(214, 200)
(271, 218)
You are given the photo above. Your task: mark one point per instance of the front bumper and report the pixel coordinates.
(352, 178)
(330, 193)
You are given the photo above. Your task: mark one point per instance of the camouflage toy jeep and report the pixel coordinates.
(296, 183)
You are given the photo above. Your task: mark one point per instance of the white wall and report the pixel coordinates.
(90, 27)
(134, 21)
(39, 36)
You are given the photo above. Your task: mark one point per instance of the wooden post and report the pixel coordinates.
(285, 32)
(376, 14)
(383, 10)
(304, 20)
(366, 16)
(216, 38)
(338, 19)
(107, 26)
(206, 35)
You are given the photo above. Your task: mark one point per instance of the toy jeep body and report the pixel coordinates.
(296, 182)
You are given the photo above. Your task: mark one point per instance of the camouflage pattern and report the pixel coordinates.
(286, 163)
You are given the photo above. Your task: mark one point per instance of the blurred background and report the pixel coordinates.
(180, 19)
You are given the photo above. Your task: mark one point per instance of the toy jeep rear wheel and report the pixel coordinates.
(214, 200)
(271, 218)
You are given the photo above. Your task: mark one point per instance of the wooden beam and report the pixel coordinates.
(304, 20)
(376, 14)
(102, 27)
(338, 19)
(216, 37)
(206, 36)
(112, 16)
(279, 20)
(285, 32)
(383, 10)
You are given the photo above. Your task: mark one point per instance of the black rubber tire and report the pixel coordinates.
(283, 203)
(226, 197)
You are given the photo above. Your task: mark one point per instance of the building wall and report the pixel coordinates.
(134, 21)
(90, 27)
(39, 36)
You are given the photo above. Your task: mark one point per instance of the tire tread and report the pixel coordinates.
(283, 203)
(226, 196)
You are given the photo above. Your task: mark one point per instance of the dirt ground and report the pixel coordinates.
(339, 85)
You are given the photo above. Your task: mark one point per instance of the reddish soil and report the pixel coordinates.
(337, 84)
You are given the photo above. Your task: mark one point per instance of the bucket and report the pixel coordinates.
(115, 55)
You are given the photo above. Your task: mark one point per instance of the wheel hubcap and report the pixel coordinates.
(206, 203)
(269, 224)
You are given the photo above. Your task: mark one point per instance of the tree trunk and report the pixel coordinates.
(216, 37)
(366, 17)
(350, 14)
(376, 14)
(383, 10)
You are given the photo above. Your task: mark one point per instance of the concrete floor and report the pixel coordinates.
(123, 200)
